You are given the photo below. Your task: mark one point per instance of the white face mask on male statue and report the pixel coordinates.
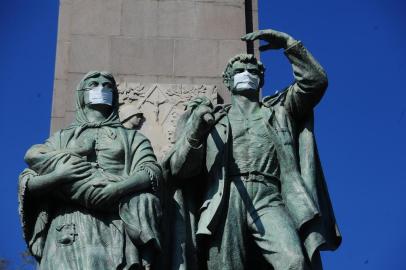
(246, 80)
(99, 95)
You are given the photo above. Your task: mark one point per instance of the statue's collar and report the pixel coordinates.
(240, 117)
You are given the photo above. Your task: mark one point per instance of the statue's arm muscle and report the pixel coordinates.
(310, 81)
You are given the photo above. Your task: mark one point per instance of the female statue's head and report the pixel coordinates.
(96, 91)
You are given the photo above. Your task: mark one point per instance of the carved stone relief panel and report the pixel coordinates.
(161, 105)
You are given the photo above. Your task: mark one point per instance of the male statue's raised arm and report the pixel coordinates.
(310, 79)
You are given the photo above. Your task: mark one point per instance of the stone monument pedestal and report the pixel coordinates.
(181, 44)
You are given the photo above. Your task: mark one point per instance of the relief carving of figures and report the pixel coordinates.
(160, 106)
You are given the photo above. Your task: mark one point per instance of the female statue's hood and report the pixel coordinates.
(80, 115)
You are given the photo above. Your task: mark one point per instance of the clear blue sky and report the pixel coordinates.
(360, 123)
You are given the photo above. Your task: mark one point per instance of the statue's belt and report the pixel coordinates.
(256, 177)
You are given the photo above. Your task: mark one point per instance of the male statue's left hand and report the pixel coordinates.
(276, 40)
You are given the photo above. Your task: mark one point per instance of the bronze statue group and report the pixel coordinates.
(242, 187)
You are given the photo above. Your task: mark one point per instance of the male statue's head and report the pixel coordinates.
(244, 75)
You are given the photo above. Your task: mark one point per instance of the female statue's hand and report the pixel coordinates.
(107, 194)
(73, 170)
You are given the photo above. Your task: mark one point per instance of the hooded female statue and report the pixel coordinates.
(87, 200)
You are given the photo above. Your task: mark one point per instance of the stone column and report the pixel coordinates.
(166, 44)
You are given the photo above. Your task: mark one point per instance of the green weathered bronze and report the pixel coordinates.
(245, 188)
(87, 200)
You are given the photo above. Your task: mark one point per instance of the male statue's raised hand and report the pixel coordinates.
(201, 120)
(276, 40)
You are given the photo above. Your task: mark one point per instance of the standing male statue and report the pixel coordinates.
(256, 167)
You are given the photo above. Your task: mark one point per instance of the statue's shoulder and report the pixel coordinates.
(137, 135)
(58, 135)
(132, 136)
(277, 98)
(65, 131)
(131, 132)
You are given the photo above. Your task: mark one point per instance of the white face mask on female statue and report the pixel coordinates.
(246, 81)
(99, 95)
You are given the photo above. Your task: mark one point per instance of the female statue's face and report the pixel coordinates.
(98, 93)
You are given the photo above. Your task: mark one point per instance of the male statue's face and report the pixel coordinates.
(245, 78)
(98, 92)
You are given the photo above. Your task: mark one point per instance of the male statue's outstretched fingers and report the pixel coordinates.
(276, 39)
